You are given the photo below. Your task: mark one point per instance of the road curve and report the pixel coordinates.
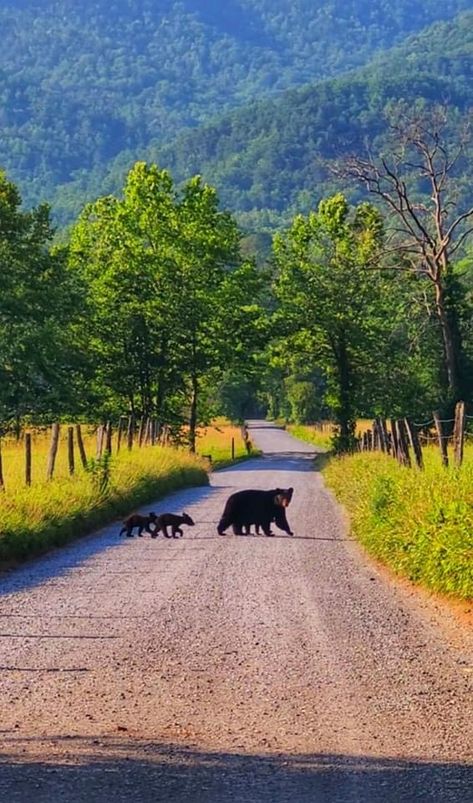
(242, 669)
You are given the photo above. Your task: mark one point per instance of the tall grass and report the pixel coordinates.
(323, 437)
(313, 434)
(216, 441)
(420, 523)
(48, 514)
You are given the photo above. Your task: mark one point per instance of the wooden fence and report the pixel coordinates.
(128, 434)
(404, 439)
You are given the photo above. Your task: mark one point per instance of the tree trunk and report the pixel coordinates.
(451, 355)
(344, 414)
(193, 413)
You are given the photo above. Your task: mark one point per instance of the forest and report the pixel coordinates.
(85, 84)
(271, 159)
(153, 308)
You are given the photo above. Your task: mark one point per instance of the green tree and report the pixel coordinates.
(331, 305)
(39, 305)
(168, 295)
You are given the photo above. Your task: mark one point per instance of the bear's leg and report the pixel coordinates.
(266, 525)
(222, 525)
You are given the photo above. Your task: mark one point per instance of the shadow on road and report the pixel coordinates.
(149, 772)
(280, 461)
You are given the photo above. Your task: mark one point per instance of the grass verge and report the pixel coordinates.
(312, 434)
(49, 514)
(418, 523)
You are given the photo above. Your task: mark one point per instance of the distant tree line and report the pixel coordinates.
(152, 307)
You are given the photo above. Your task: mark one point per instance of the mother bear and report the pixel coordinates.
(244, 508)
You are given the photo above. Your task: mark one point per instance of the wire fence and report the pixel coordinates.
(404, 439)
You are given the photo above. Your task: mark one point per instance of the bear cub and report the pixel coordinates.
(245, 508)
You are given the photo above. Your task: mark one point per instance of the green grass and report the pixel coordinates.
(418, 523)
(49, 514)
(312, 434)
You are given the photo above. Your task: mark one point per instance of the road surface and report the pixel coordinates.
(242, 669)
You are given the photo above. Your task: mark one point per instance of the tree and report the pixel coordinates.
(416, 181)
(331, 306)
(39, 305)
(166, 294)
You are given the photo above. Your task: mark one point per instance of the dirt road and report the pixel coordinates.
(242, 669)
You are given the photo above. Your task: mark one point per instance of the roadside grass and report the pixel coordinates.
(49, 514)
(420, 523)
(310, 433)
(322, 436)
(216, 441)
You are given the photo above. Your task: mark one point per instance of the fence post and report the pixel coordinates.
(442, 439)
(403, 447)
(129, 434)
(459, 434)
(141, 430)
(383, 435)
(414, 441)
(100, 434)
(53, 450)
(108, 437)
(28, 458)
(394, 438)
(233, 448)
(119, 433)
(70, 449)
(376, 443)
(80, 444)
(2, 480)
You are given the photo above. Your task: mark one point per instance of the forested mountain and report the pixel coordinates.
(82, 82)
(267, 159)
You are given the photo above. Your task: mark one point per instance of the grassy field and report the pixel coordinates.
(312, 434)
(418, 523)
(217, 441)
(49, 514)
(322, 435)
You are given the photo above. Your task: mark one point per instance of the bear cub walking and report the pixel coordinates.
(139, 521)
(173, 521)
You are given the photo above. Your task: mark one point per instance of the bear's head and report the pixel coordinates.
(283, 496)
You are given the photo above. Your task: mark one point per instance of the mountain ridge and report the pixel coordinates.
(84, 83)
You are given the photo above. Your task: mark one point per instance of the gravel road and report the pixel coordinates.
(244, 669)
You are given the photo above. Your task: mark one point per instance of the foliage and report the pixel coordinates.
(84, 82)
(268, 158)
(332, 307)
(172, 307)
(419, 523)
(39, 307)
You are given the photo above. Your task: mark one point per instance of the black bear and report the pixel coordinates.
(245, 508)
(173, 521)
(139, 521)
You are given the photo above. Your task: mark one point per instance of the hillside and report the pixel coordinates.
(265, 158)
(81, 83)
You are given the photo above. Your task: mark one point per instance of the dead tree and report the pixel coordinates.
(425, 234)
